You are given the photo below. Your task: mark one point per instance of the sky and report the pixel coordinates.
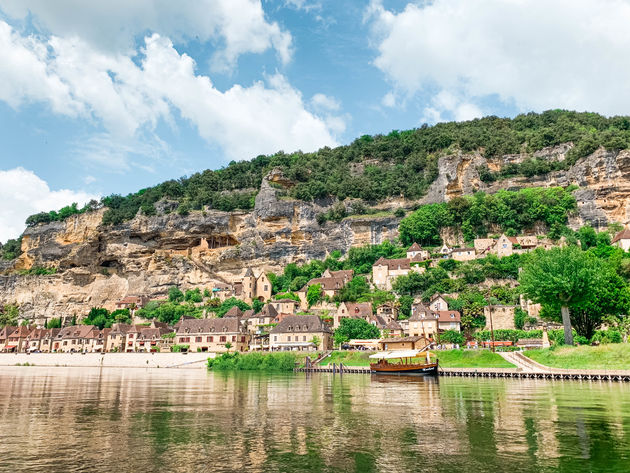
(110, 97)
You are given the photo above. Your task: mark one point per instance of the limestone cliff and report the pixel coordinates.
(98, 265)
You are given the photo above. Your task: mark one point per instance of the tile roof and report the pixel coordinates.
(393, 264)
(415, 247)
(622, 235)
(234, 312)
(300, 323)
(213, 325)
(359, 309)
(449, 316)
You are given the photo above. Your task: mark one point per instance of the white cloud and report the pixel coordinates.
(129, 99)
(239, 25)
(533, 55)
(389, 100)
(325, 102)
(23, 193)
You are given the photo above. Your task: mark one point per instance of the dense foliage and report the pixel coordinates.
(255, 361)
(372, 168)
(512, 211)
(351, 328)
(11, 249)
(103, 318)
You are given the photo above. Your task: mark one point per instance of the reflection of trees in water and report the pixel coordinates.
(163, 420)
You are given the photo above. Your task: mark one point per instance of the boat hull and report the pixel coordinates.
(430, 369)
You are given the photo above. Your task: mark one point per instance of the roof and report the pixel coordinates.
(622, 235)
(75, 331)
(6, 331)
(342, 274)
(234, 312)
(300, 323)
(415, 247)
(392, 264)
(249, 273)
(449, 316)
(120, 328)
(461, 250)
(436, 296)
(393, 325)
(149, 333)
(22, 331)
(226, 324)
(417, 338)
(359, 309)
(328, 284)
(267, 311)
(418, 309)
(249, 313)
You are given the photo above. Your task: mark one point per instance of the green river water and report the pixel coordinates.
(139, 420)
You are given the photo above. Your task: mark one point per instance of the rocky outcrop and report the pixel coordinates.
(98, 265)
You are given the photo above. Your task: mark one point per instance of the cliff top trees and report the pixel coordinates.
(562, 278)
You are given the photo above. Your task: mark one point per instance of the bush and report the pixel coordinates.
(255, 361)
(452, 336)
(607, 336)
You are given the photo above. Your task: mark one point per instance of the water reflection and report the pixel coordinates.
(69, 419)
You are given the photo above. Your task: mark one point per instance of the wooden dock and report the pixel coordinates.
(554, 374)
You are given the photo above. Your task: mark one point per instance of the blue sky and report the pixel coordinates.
(109, 97)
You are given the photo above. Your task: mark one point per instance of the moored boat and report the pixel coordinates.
(408, 363)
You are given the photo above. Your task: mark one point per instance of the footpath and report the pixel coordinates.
(108, 360)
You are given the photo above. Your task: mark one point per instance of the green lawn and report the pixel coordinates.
(614, 356)
(470, 359)
(348, 358)
(448, 359)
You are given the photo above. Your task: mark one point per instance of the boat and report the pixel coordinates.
(408, 363)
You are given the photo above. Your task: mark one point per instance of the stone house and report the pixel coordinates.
(285, 306)
(150, 340)
(330, 288)
(385, 271)
(255, 287)
(47, 338)
(223, 291)
(17, 340)
(438, 303)
(34, 340)
(449, 320)
(298, 332)
(463, 254)
(116, 338)
(345, 274)
(361, 310)
(393, 329)
(502, 316)
(75, 338)
(405, 343)
(260, 322)
(423, 321)
(132, 302)
(4, 336)
(417, 253)
(212, 335)
(622, 239)
(388, 310)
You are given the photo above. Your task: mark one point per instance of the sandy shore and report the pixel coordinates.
(115, 360)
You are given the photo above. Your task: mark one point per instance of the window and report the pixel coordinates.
(197, 339)
(233, 338)
(131, 335)
(275, 338)
(223, 338)
(209, 339)
(266, 288)
(289, 338)
(304, 338)
(243, 339)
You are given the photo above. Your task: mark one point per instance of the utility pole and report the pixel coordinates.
(491, 326)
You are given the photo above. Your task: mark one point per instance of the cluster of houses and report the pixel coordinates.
(277, 326)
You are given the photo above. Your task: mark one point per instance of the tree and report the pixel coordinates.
(353, 328)
(229, 303)
(314, 294)
(452, 336)
(175, 295)
(53, 323)
(98, 316)
(192, 295)
(607, 302)
(316, 341)
(405, 302)
(561, 277)
(228, 345)
(9, 315)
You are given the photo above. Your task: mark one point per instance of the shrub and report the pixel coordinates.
(255, 361)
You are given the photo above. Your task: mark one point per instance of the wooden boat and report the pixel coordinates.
(407, 363)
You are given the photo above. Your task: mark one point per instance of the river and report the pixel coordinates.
(150, 420)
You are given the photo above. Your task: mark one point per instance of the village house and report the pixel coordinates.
(405, 343)
(622, 239)
(507, 246)
(17, 339)
(361, 310)
(260, 322)
(34, 340)
(437, 303)
(416, 253)
(423, 321)
(212, 335)
(285, 306)
(463, 254)
(388, 310)
(73, 339)
(116, 338)
(449, 320)
(330, 288)
(223, 291)
(300, 332)
(4, 336)
(392, 329)
(385, 271)
(132, 302)
(150, 339)
(255, 287)
(344, 274)
(47, 338)
(97, 340)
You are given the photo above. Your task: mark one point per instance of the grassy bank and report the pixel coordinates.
(448, 359)
(614, 356)
(470, 359)
(255, 361)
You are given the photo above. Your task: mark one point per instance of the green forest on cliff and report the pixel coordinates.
(374, 167)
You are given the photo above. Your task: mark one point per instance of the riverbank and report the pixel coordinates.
(448, 359)
(614, 356)
(110, 360)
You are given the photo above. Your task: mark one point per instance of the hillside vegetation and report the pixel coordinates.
(375, 167)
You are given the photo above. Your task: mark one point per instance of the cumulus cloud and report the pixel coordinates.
(529, 54)
(239, 26)
(130, 97)
(325, 102)
(23, 193)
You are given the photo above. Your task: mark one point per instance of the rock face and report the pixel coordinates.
(98, 265)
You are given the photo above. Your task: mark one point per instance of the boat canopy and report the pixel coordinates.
(396, 354)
